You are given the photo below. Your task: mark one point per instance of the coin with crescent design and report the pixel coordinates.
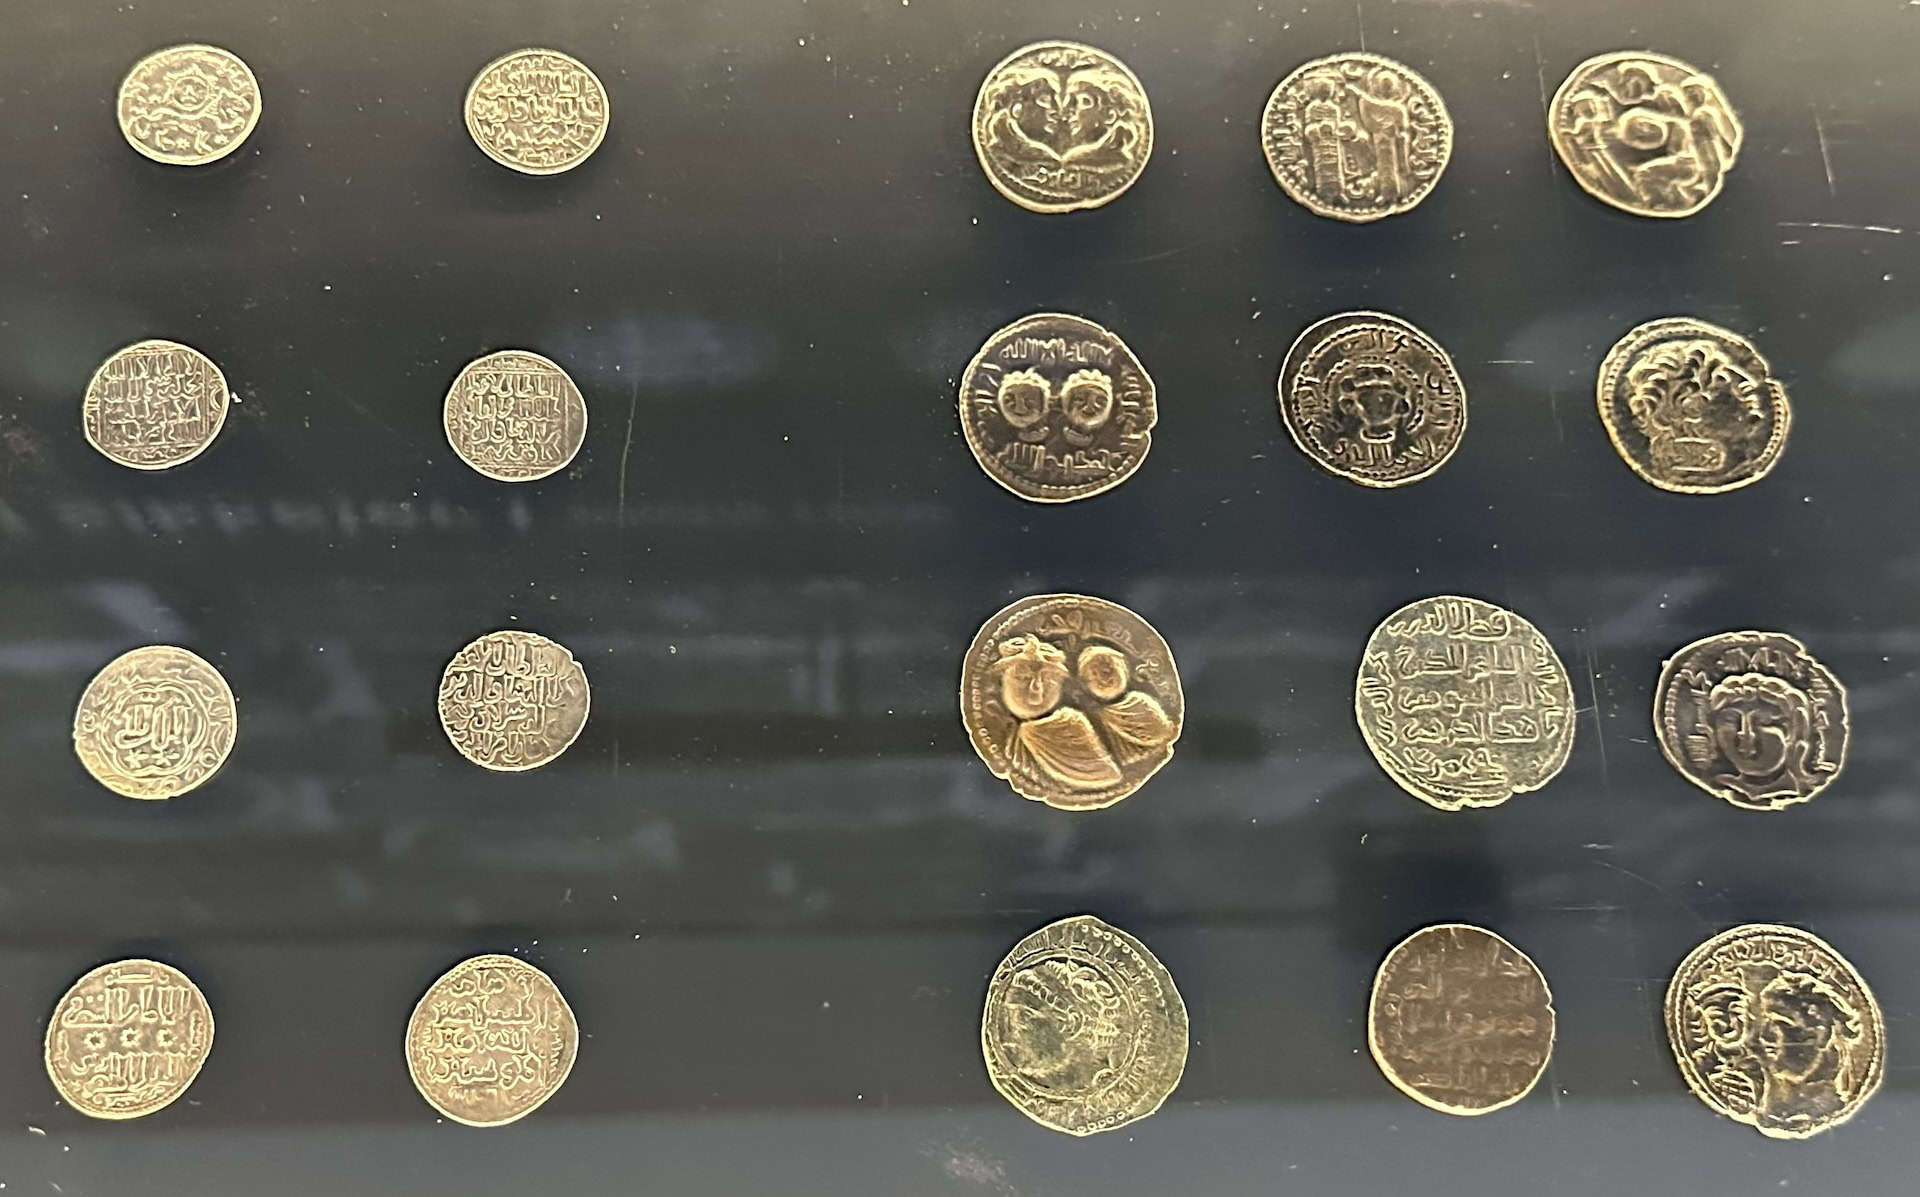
(513, 700)
(188, 105)
(1692, 407)
(1356, 136)
(491, 1041)
(1059, 126)
(515, 416)
(156, 722)
(127, 1039)
(537, 111)
(154, 405)
(1371, 398)
(1645, 133)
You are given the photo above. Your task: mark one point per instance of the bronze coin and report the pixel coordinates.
(127, 1039)
(1059, 126)
(1369, 397)
(154, 405)
(1692, 407)
(537, 111)
(188, 105)
(1356, 136)
(491, 1041)
(512, 700)
(156, 722)
(1645, 133)
(515, 416)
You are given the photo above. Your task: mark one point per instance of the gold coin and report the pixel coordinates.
(512, 701)
(539, 112)
(1356, 136)
(1692, 407)
(154, 405)
(1752, 717)
(1646, 133)
(1083, 1029)
(491, 1041)
(1072, 700)
(1463, 703)
(127, 1039)
(1059, 126)
(515, 416)
(188, 105)
(155, 723)
(1460, 1020)
(1373, 399)
(1057, 408)
(1774, 1028)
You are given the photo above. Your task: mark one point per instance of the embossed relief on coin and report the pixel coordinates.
(515, 416)
(539, 112)
(155, 723)
(491, 1041)
(1692, 407)
(1373, 399)
(154, 405)
(513, 700)
(127, 1039)
(1645, 133)
(1060, 126)
(188, 105)
(1356, 136)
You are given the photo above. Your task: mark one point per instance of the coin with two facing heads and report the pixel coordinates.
(188, 105)
(491, 1041)
(1646, 133)
(513, 700)
(155, 722)
(1692, 407)
(1373, 399)
(1356, 136)
(127, 1039)
(537, 111)
(1059, 126)
(515, 416)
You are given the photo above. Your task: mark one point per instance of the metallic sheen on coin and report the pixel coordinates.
(155, 723)
(188, 105)
(154, 405)
(491, 1041)
(1692, 407)
(539, 112)
(127, 1039)
(512, 700)
(1373, 399)
(515, 416)
(1356, 136)
(1646, 133)
(1059, 126)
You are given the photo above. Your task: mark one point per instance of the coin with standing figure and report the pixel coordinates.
(154, 405)
(1059, 126)
(1692, 407)
(1371, 398)
(537, 111)
(1356, 136)
(491, 1041)
(515, 416)
(188, 105)
(512, 700)
(127, 1039)
(156, 722)
(1645, 133)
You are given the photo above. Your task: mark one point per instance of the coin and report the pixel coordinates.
(1072, 700)
(1083, 1029)
(154, 405)
(155, 723)
(491, 1041)
(127, 1039)
(539, 112)
(188, 105)
(1692, 407)
(515, 416)
(1059, 126)
(1646, 133)
(1356, 136)
(1373, 399)
(512, 701)
(1752, 717)
(1774, 1028)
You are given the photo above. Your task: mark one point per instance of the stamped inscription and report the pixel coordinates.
(491, 1041)
(1373, 399)
(1646, 133)
(154, 405)
(513, 700)
(1356, 136)
(539, 112)
(1692, 407)
(515, 416)
(1060, 126)
(188, 105)
(155, 723)
(127, 1039)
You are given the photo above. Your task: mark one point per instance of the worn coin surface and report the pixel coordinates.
(1083, 1029)
(1373, 399)
(1460, 1020)
(1752, 717)
(1072, 700)
(539, 112)
(1060, 126)
(154, 405)
(515, 416)
(188, 105)
(491, 1041)
(127, 1039)
(513, 700)
(155, 723)
(1774, 1028)
(1692, 407)
(1356, 136)
(1646, 133)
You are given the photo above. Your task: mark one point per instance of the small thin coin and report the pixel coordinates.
(1646, 133)
(1083, 1029)
(1371, 398)
(1771, 1026)
(1460, 1020)
(1356, 136)
(537, 111)
(1692, 407)
(188, 105)
(155, 723)
(154, 405)
(1072, 700)
(491, 1041)
(1752, 717)
(1059, 126)
(127, 1039)
(515, 416)
(512, 700)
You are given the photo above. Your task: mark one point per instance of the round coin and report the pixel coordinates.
(127, 1039)
(1059, 126)
(1373, 399)
(491, 1041)
(1752, 717)
(155, 723)
(515, 416)
(539, 112)
(1646, 133)
(1356, 136)
(1072, 700)
(154, 405)
(188, 105)
(512, 701)
(1774, 1028)
(1692, 407)
(1083, 1029)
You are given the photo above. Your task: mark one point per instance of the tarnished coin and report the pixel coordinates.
(1774, 1028)
(1072, 700)
(1646, 133)
(156, 722)
(1753, 718)
(1083, 1029)
(1356, 136)
(515, 416)
(1373, 399)
(1463, 703)
(539, 112)
(1060, 126)
(154, 405)
(1692, 407)
(512, 700)
(188, 105)
(491, 1041)
(1460, 1020)
(128, 1039)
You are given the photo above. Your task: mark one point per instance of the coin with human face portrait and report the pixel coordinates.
(537, 111)
(1356, 137)
(188, 105)
(1692, 407)
(1371, 398)
(491, 1041)
(155, 722)
(128, 1039)
(1646, 133)
(1059, 126)
(515, 416)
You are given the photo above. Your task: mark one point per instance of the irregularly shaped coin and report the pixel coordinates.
(1060, 126)
(1461, 1020)
(1356, 136)
(539, 112)
(1692, 407)
(128, 1039)
(188, 105)
(1072, 700)
(515, 416)
(1083, 1030)
(1643, 132)
(491, 1041)
(1752, 717)
(156, 722)
(512, 700)
(1774, 1028)
(1373, 399)
(154, 405)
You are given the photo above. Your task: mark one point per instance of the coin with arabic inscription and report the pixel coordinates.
(491, 1041)
(1059, 126)
(1645, 133)
(1371, 398)
(1692, 407)
(515, 416)
(156, 722)
(1356, 136)
(127, 1039)
(513, 700)
(154, 405)
(537, 111)
(188, 105)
